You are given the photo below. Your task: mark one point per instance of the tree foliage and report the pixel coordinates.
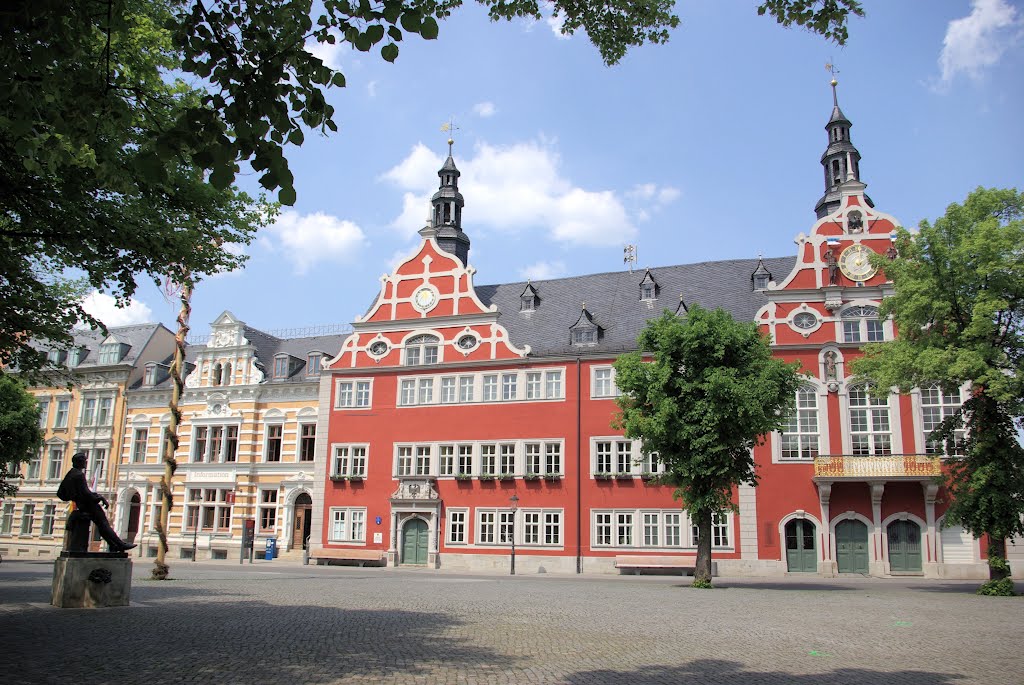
(959, 309)
(20, 436)
(702, 392)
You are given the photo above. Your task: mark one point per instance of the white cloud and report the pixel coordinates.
(485, 109)
(555, 24)
(515, 188)
(104, 307)
(371, 89)
(977, 41)
(309, 239)
(328, 54)
(542, 271)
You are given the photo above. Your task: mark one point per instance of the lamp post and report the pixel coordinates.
(514, 501)
(195, 528)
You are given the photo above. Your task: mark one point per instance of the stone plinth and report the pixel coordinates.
(84, 580)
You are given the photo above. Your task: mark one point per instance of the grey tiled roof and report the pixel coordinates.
(613, 300)
(136, 336)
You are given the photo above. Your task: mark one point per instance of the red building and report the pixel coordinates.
(470, 426)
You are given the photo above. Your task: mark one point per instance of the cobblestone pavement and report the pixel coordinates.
(278, 622)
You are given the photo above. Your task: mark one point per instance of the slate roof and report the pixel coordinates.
(613, 300)
(136, 336)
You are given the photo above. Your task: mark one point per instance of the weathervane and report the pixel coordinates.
(449, 127)
(831, 68)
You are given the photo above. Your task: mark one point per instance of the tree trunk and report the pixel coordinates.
(997, 550)
(160, 567)
(702, 570)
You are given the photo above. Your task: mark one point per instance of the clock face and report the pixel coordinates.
(424, 298)
(855, 263)
(805, 320)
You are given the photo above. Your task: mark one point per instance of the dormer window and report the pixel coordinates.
(55, 356)
(528, 298)
(761, 282)
(77, 356)
(584, 336)
(281, 366)
(150, 378)
(313, 364)
(761, 277)
(585, 332)
(421, 349)
(111, 353)
(648, 288)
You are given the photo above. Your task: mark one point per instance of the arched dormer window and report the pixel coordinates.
(528, 299)
(861, 324)
(648, 288)
(761, 277)
(585, 332)
(421, 350)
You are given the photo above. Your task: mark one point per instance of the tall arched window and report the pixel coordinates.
(937, 405)
(861, 324)
(800, 437)
(870, 431)
(226, 377)
(216, 374)
(421, 349)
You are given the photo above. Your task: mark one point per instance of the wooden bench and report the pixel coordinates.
(350, 557)
(635, 564)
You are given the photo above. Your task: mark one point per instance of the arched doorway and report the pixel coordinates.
(851, 546)
(904, 539)
(801, 550)
(134, 512)
(415, 540)
(303, 521)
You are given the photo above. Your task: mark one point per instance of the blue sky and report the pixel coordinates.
(705, 148)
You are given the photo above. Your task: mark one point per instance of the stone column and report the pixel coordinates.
(879, 566)
(930, 564)
(828, 564)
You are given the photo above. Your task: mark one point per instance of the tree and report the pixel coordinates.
(20, 436)
(959, 309)
(701, 392)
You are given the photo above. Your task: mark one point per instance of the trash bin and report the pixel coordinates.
(271, 550)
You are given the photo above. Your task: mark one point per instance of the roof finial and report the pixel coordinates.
(449, 127)
(831, 68)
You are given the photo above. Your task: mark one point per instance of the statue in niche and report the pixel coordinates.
(830, 365)
(833, 266)
(855, 222)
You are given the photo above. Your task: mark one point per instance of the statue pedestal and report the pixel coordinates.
(84, 580)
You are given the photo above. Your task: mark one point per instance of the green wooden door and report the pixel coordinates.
(852, 546)
(415, 538)
(801, 550)
(904, 539)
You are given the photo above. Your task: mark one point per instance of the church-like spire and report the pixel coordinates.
(447, 205)
(841, 159)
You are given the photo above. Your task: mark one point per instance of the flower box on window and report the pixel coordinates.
(552, 476)
(506, 476)
(487, 476)
(463, 476)
(338, 478)
(356, 479)
(624, 475)
(648, 476)
(532, 476)
(602, 475)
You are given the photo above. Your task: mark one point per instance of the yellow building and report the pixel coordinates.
(85, 415)
(246, 444)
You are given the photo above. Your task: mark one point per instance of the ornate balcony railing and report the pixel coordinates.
(890, 465)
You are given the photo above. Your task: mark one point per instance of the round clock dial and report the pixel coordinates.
(424, 298)
(805, 320)
(855, 263)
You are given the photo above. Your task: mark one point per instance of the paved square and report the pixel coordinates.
(277, 622)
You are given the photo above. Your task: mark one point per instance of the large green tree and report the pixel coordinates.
(20, 436)
(701, 392)
(959, 309)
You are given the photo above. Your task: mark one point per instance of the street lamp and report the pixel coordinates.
(195, 529)
(514, 501)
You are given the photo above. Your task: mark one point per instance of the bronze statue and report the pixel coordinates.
(74, 488)
(833, 266)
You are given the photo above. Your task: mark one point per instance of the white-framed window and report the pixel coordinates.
(422, 350)
(44, 413)
(540, 528)
(509, 388)
(313, 363)
(426, 391)
(507, 458)
(88, 417)
(534, 466)
(584, 336)
(35, 466)
(870, 431)
(616, 455)
(466, 388)
(861, 324)
(281, 366)
(486, 524)
(937, 405)
(800, 436)
(553, 384)
(423, 460)
(28, 518)
(552, 458)
(603, 456)
(465, 460)
(355, 393)
(55, 467)
(140, 441)
(209, 509)
(654, 529)
(446, 460)
(97, 464)
(405, 460)
(307, 441)
(210, 444)
(149, 380)
(348, 524)
(407, 395)
(490, 388)
(488, 460)
(602, 383)
(49, 514)
(448, 395)
(533, 385)
(105, 414)
(349, 461)
(110, 353)
(268, 510)
(457, 526)
(60, 419)
(7, 518)
(273, 441)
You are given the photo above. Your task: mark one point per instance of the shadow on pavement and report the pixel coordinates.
(722, 672)
(725, 584)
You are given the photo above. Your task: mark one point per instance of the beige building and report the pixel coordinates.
(83, 410)
(246, 444)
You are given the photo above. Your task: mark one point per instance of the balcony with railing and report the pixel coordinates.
(853, 467)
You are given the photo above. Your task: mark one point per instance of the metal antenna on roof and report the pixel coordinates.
(629, 256)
